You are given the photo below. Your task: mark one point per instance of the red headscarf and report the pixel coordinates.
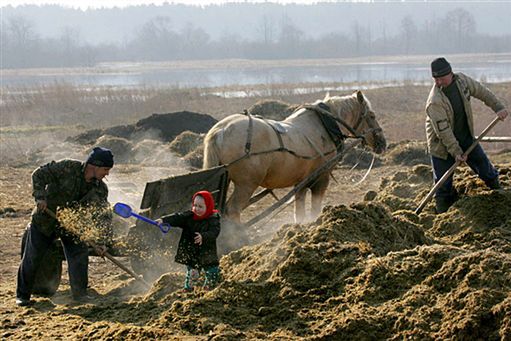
(210, 205)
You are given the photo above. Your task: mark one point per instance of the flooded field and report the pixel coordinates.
(216, 73)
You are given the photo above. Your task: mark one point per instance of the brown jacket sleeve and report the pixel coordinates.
(482, 93)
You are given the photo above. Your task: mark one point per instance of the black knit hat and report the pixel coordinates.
(101, 157)
(440, 67)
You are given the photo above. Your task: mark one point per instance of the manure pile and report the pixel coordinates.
(163, 140)
(372, 271)
(162, 127)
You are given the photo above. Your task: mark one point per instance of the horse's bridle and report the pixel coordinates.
(363, 116)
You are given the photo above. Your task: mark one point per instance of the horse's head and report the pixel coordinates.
(357, 112)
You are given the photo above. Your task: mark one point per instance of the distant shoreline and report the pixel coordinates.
(125, 66)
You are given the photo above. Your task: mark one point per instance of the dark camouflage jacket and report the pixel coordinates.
(189, 253)
(62, 184)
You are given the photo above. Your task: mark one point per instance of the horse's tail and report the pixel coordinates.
(211, 151)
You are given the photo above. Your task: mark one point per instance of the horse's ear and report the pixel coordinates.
(360, 97)
(327, 96)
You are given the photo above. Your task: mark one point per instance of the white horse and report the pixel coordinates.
(278, 154)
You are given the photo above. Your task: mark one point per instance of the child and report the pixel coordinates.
(197, 245)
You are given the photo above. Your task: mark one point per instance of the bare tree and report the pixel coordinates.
(194, 40)
(290, 37)
(362, 38)
(266, 30)
(23, 41)
(229, 45)
(156, 40)
(70, 41)
(357, 36)
(409, 32)
(464, 26)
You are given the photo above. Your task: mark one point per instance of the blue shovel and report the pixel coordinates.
(125, 211)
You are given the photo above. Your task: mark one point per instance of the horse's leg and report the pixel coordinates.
(318, 192)
(300, 205)
(239, 200)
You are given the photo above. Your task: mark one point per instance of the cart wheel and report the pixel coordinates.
(48, 275)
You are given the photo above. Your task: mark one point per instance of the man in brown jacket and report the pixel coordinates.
(450, 128)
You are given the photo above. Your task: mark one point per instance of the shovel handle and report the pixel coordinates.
(141, 217)
(451, 170)
(163, 227)
(122, 266)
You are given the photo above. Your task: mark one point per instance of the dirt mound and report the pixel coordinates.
(89, 137)
(163, 127)
(272, 109)
(446, 292)
(405, 189)
(481, 218)
(408, 153)
(195, 157)
(352, 274)
(186, 142)
(121, 148)
(171, 125)
(339, 236)
(477, 222)
(370, 271)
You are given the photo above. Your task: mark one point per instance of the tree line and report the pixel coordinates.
(157, 40)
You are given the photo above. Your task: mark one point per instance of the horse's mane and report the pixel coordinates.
(346, 103)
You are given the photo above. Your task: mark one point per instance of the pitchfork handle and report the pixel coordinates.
(453, 167)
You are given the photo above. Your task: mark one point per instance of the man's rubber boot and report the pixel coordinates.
(442, 204)
(494, 183)
(23, 302)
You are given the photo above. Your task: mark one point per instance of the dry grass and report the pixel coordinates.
(40, 117)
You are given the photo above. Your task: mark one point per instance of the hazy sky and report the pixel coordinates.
(84, 4)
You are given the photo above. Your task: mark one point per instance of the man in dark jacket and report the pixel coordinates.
(450, 128)
(62, 184)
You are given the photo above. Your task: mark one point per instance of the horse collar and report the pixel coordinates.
(324, 106)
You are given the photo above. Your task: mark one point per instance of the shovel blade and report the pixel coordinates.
(122, 209)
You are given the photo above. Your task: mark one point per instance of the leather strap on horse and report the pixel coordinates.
(248, 144)
(249, 133)
(331, 126)
(279, 137)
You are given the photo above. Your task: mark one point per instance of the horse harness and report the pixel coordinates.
(281, 148)
(328, 120)
(324, 111)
